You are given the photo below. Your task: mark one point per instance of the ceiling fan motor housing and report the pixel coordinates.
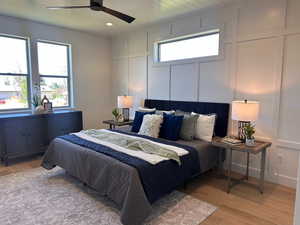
(96, 5)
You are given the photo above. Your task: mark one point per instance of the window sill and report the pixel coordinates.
(64, 108)
(21, 111)
(15, 111)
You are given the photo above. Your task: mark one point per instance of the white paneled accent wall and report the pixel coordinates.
(261, 45)
(184, 82)
(138, 80)
(210, 79)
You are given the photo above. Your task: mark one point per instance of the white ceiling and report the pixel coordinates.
(145, 12)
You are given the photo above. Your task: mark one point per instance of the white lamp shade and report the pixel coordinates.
(125, 102)
(245, 110)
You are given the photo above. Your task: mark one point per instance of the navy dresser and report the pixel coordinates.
(29, 134)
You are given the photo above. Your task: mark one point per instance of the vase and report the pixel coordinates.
(121, 119)
(39, 109)
(250, 142)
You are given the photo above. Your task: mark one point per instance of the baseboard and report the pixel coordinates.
(274, 178)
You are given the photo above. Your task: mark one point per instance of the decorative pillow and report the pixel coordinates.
(143, 109)
(151, 125)
(138, 119)
(161, 112)
(205, 126)
(171, 126)
(187, 131)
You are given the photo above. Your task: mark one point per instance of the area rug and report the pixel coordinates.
(40, 197)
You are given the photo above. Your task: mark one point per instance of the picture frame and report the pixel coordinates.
(48, 107)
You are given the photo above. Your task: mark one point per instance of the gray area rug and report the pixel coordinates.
(40, 197)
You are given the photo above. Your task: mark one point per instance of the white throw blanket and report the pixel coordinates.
(151, 158)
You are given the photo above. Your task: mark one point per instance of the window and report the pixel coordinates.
(54, 70)
(14, 73)
(188, 47)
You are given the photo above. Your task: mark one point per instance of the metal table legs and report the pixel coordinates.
(248, 161)
(229, 171)
(232, 182)
(262, 170)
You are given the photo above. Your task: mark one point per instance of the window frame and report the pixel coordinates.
(28, 75)
(69, 77)
(205, 31)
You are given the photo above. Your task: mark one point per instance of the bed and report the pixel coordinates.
(132, 184)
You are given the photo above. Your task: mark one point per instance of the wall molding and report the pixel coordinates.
(269, 176)
(292, 145)
(282, 143)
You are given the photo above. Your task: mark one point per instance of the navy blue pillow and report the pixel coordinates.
(171, 126)
(138, 120)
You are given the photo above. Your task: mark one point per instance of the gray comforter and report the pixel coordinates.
(112, 178)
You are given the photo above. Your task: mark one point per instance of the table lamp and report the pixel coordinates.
(244, 112)
(125, 103)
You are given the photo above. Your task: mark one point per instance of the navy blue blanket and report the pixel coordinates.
(157, 180)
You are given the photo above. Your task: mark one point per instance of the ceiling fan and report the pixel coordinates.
(97, 5)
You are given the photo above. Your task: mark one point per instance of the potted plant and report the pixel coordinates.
(249, 131)
(36, 102)
(117, 115)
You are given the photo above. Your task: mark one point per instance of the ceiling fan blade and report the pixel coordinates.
(117, 14)
(68, 7)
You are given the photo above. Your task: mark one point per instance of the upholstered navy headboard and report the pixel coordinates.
(221, 109)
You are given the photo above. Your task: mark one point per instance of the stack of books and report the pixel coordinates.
(231, 140)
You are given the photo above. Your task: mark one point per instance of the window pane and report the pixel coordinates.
(13, 92)
(53, 59)
(190, 48)
(13, 55)
(56, 90)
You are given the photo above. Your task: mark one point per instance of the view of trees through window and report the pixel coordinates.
(13, 73)
(54, 72)
(56, 90)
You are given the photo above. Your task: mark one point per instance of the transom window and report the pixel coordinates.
(188, 47)
(54, 70)
(14, 73)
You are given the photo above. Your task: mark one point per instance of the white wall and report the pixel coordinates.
(91, 60)
(261, 62)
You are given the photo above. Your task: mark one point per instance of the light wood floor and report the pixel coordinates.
(243, 206)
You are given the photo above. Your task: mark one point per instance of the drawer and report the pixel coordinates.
(16, 137)
(59, 125)
(24, 136)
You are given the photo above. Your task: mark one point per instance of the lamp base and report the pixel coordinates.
(125, 112)
(241, 133)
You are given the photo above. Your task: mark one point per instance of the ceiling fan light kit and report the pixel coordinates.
(97, 5)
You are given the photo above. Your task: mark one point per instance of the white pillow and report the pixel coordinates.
(151, 125)
(143, 109)
(205, 127)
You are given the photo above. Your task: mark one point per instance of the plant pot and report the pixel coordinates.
(119, 119)
(250, 142)
(39, 109)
